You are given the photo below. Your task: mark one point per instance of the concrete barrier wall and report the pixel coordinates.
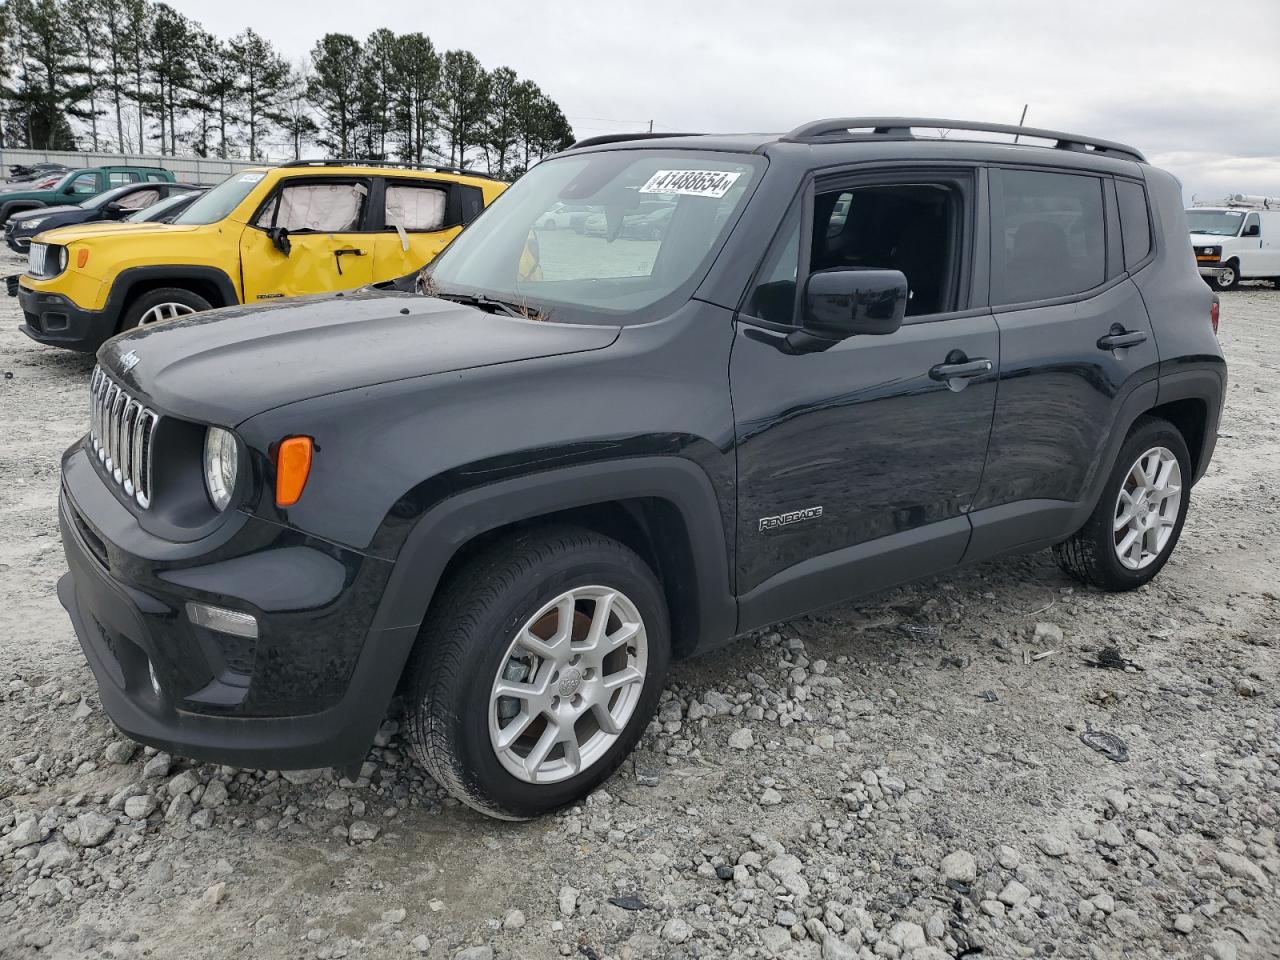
(202, 170)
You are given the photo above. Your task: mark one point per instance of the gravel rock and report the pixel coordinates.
(157, 766)
(120, 751)
(676, 930)
(568, 901)
(90, 829)
(1235, 865)
(140, 807)
(742, 739)
(513, 920)
(1051, 846)
(421, 943)
(959, 866)
(475, 953)
(361, 831)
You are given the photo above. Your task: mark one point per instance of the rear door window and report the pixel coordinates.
(415, 208)
(1135, 222)
(1051, 235)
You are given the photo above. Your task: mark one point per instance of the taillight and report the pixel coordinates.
(1213, 316)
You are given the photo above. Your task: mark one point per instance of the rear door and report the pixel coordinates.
(857, 465)
(310, 236)
(1075, 341)
(419, 219)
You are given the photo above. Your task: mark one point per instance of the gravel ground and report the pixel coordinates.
(895, 778)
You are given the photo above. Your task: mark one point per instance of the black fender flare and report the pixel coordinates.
(1209, 386)
(443, 530)
(128, 279)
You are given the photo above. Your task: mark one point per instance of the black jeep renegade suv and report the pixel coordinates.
(848, 357)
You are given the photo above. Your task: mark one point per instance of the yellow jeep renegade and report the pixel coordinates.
(305, 227)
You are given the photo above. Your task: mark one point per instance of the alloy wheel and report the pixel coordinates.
(165, 311)
(568, 685)
(1147, 506)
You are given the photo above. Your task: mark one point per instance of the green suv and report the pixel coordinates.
(77, 186)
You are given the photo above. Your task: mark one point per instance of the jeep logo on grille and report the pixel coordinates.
(128, 361)
(793, 516)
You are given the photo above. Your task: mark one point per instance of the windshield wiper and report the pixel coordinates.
(491, 304)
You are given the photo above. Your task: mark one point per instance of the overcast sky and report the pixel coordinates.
(1184, 82)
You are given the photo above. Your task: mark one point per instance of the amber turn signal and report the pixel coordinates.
(82, 257)
(293, 465)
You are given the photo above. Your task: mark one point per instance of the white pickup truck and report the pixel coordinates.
(1236, 240)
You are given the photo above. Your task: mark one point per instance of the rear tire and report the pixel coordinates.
(542, 589)
(162, 304)
(1229, 278)
(1100, 553)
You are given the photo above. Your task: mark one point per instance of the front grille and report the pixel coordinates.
(36, 256)
(121, 431)
(44, 261)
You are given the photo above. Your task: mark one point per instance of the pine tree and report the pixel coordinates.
(336, 59)
(464, 101)
(137, 26)
(263, 77)
(415, 82)
(295, 112)
(502, 127)
(171, 52)
(53, 78)
(84, 19)
(116, 42)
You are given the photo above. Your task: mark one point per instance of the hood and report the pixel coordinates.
(87, 231)
(45, 211)
(1208, 240)
(227, 365)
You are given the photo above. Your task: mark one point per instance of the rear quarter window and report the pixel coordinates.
(1135, 222)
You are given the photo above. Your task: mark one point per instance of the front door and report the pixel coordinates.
(1075, 339)
(309, 237)
(857, 465)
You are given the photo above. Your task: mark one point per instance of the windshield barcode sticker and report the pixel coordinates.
(691, 183)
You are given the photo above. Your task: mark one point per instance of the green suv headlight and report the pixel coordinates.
(221, 462)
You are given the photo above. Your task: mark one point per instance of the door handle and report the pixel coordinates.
(1120, 338)
(346, 252)
(961, 370)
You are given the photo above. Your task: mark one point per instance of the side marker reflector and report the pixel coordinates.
(293, 466)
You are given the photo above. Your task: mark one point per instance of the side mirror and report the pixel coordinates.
(280, 239)
(114, 211)
(839, 304)
(1251, 230)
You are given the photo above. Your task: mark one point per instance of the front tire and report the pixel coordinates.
(537, 670)
(165, 303)
(1138, 519)
(1229, 278)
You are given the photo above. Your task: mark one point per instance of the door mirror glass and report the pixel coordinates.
(840, 303)
(1252, 230)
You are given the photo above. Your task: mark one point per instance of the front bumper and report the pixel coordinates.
(53, 319)
(309, 692)
(1213, 270)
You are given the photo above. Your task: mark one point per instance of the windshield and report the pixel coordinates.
(617, 233)
(159, 208)
(222, 199)
(1215, 223)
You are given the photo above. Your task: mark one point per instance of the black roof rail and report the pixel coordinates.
(129, 166)
(899, 128)
(431, 167)
(624, 137)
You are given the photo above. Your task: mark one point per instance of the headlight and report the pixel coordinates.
(221, 459)
(32, 223)
(62, 259)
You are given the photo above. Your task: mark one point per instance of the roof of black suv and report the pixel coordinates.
(845, 136)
